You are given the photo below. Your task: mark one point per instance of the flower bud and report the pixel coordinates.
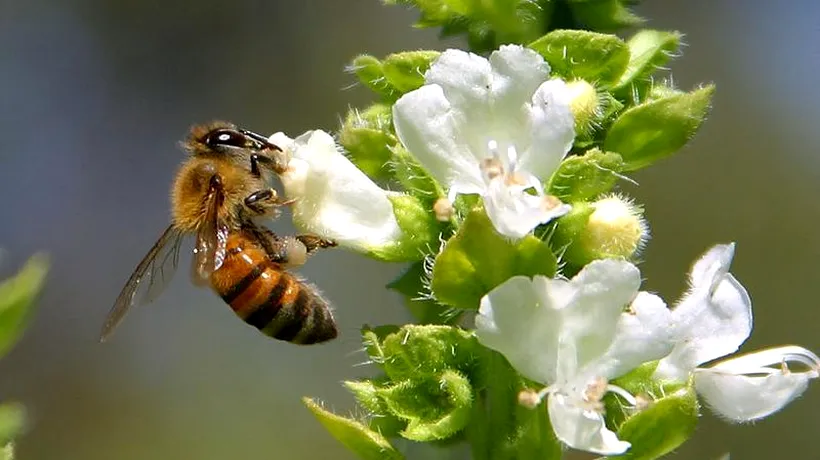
(585, 105)
(612, 227)
(367, 136)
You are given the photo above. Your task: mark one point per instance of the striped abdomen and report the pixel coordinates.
(270, 299)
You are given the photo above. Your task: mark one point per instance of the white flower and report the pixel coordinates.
(713, 320)
(574, 336)
(492, 127)
(333, 198)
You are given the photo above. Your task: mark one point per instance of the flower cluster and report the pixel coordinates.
(493, 176)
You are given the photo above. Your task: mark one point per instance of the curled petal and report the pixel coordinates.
(430, 129)
(514, 212)
(581, 428)
(552, 129)
(334, 199)
(712, 320)
(746, 388)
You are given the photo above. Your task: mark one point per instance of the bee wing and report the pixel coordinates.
(151, 276)
(211, 238)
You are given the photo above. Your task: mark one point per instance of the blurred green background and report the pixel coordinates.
(95, 94)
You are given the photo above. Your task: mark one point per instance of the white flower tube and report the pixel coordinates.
(333, 198)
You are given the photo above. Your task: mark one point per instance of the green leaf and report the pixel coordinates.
(17, 295)
(368, 138)
(591, 56)
(370, 72)
(405, 71)
(12, 422)
(424, 351)
(414, 178)
(582, 178)
(435, 407)
(604, 15)
(662, 427)
(648, 50)
(477, 259)
(654, 130)
(411, 285)
(364, 442)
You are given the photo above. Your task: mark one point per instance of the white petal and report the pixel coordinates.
(552, 129)
(516, 74)
(712, 320)
(746, 388)
(466, 78)
(514, 212)
(711, 265)
(582, 429)
(513, 321)
(591, 305)
(335, 199)
(644, 334)
(429, 128)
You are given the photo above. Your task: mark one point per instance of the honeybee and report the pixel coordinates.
(216, 195)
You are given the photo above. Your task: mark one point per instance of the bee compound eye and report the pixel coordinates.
(226, 137)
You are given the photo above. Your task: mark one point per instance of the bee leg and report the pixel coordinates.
(265, 202)
(275, 163)
(314, 242)
(290, 251)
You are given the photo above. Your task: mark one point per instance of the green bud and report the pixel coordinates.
(581, 178)
(584, 55)
(358, 438)
(414, 178)
(420, 351)
(17, 296)
(370, 72)
(411, 285)
(586, 107)
(372, 338)
(7, 452)
(649, 50)
(435, 408)
(405, 71)
(381, 419)
(656, 129)
(604, 15)
(435, 12)
(368, 138)
(12, 422)
(477, 259)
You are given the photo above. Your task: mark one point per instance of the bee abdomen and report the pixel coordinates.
(292, 311)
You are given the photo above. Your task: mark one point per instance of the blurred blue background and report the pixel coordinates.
(94, 96)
